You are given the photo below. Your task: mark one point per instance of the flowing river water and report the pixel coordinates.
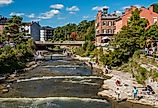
(59, 83)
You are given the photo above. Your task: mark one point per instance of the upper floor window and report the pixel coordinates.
(110, 31)
(105, 31)
(97, 31)
(104, 22)
(154, 20)
(113, 23)
(110, 23)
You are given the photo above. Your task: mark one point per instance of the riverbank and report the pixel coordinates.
(8, 79)
(126, 86)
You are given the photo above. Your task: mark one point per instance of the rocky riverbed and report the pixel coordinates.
(127, 83)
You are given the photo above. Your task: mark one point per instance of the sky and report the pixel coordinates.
(56, 13)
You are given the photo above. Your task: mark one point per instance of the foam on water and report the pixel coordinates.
(86, 82)
(62, 66)
(47, 99)
(59, 77)
(53, 102)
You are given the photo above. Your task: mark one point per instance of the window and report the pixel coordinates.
(104, 23)
(113, 23)
(110, 23)
(113, 31)
(110, 31)
(154, 20)
(97, 31)
(105, 31)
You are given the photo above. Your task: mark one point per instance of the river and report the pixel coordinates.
(59, 83)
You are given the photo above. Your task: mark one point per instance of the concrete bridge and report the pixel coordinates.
(60, 43)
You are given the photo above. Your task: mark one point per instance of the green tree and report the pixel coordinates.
(129, 39)
(85, 30)
(152, 32)
(19, 50)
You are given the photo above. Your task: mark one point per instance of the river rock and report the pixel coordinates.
(105, 87)
(5, 90)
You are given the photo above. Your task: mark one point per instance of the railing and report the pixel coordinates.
(60, 42)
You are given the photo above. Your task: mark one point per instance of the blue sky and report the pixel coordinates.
(60, 12)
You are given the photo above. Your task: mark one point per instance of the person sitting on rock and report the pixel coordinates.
(118, 82)
(118, 92)
(150, 89)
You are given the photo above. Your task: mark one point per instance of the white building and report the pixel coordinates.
(31, 30)
(46, 33)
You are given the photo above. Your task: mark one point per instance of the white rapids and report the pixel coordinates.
(37, 100)
(59, 77)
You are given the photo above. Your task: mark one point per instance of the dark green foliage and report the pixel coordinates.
(152, 32)
(15, 57)
(129, 39)
(85, 30)
(141, 75)
(155, 7)
(86, 49)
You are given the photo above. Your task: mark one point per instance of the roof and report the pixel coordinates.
(3, 20)
(109, 16)
(47, 27)
(26, 23)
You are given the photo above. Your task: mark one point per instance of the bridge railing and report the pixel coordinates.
(60, 42)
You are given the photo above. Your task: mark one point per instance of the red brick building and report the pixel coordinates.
(147, 13)
(105, 27)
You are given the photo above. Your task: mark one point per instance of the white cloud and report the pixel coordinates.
(72, 12)
(99, 7)
(57, 6)
(36, 20)
(61, 18)
(118, 13)
(49, 14)
(85, 17)
(138, 6)
(125, 7)
(16, 13)
(5, 2)
(31, 15)
(73, 9)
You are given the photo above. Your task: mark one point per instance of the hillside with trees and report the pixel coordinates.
(85, 30)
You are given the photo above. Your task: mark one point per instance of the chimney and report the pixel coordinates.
(151, 8)
(127, 10)
(105, 11)
(99, 13)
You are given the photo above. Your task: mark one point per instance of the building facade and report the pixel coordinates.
(46, 33)
(147, 13)
(3, 21)
(35, 31)
(105, 27)
(31, 30)
(26, 28)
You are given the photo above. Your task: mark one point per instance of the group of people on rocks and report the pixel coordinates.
(148, 91)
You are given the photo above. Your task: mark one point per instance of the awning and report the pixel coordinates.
(104, 38)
